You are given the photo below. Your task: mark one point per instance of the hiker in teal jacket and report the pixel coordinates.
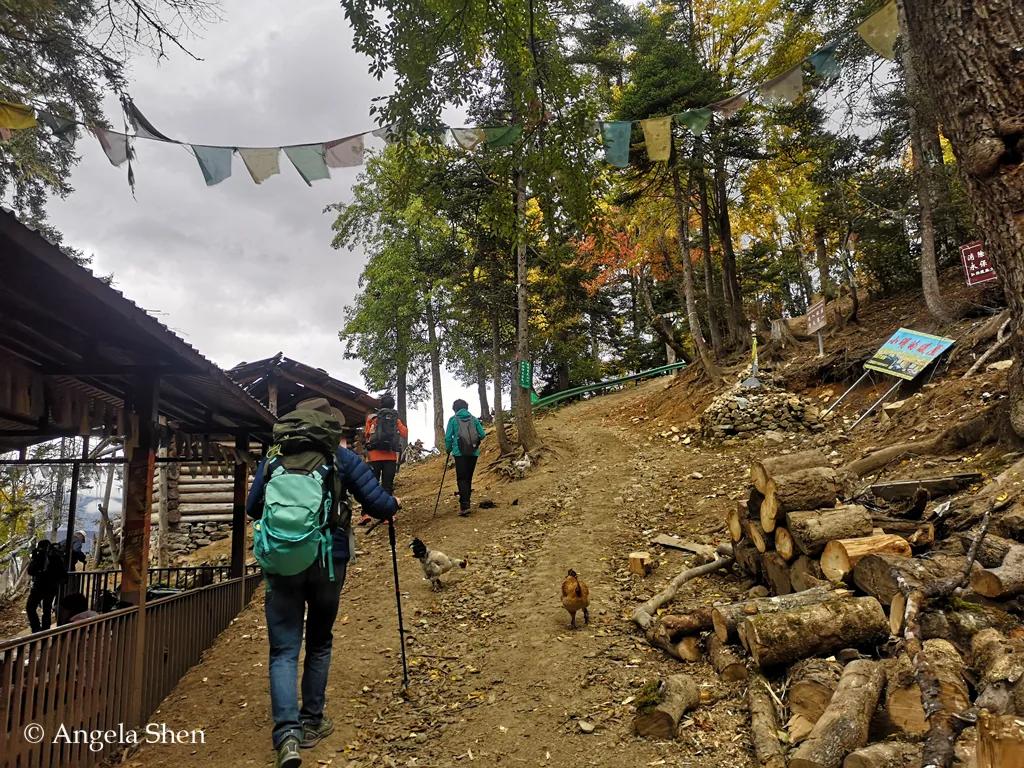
(462, 441)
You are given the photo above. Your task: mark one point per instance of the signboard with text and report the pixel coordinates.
(907, 353)
(977, 265)
(525, 374)
(816, 317)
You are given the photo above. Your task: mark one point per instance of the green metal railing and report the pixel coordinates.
(543, 402)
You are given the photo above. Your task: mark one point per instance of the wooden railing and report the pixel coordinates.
(80, 675)
(95, 584)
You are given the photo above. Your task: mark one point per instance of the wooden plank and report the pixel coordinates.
(674, 542)
(936, 486)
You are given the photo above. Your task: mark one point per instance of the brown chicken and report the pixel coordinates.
(575, 597)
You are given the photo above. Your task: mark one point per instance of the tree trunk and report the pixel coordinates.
(969, 59)
(714, 310)
(693, 317)
(661, 324)
(918, 109)
(844, 725)
(763, 470)
(811, 531)
(822, 262)
(764, 725)
(735, 318)
(813, 488)
(748, 559)
(481, 388)
(780, 638)
(402, 392)
(903, 710)
(435, 374)
(726, 618)
(678, 695)
(496, 374)
(525, 428)
(841, 555)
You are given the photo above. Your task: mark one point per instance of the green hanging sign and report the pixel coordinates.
(526, 374)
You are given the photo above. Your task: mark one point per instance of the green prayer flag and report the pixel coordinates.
(824, 61)
(881, 29)
(502, 136)
(695, 120)
(309, 161)
(615, 135)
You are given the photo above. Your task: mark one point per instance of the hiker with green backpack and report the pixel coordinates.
(302, 542)
(462, 441)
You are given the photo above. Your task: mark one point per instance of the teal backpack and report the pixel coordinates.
(301, 495)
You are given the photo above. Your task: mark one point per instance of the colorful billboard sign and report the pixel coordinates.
(907, 353)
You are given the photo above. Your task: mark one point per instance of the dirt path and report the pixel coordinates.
(497, 676)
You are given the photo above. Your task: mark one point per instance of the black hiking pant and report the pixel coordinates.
(464, 468)
(384, 472)
(40, 596)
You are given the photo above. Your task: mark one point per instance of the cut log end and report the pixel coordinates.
(659, 717)
(784, 544)
(841, 555)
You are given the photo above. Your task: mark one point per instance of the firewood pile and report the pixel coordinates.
(744, 413)
(883, 627)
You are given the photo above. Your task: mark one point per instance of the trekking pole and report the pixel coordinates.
(441, 486)
(398, 601)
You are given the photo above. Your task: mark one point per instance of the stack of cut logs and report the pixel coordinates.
(891, 648)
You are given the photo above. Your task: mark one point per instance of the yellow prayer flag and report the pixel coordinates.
(16, 116)
(881, 29)
(658, 137)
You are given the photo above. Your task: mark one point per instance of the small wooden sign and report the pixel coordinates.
(978, 266)
(816, 317)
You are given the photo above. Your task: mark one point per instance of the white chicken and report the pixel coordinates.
(435, 563)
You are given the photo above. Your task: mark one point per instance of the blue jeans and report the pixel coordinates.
(287, 599)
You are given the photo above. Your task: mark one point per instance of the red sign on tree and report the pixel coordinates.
(977, 265)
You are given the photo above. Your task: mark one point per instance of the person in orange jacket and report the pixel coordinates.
(386, 436)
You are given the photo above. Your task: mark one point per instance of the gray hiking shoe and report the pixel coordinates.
(314, 733)
(288, 754)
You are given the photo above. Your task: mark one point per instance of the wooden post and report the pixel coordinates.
(135, 525)
(76, 474)
(162, 519)
(238, 510)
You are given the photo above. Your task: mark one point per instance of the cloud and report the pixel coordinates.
(241, 271)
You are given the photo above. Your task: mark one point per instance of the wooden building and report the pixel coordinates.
(199, 497)
(77, 358)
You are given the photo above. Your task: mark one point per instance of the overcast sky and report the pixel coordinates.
(241, 271)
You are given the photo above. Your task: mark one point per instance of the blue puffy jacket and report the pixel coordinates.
(356, 479)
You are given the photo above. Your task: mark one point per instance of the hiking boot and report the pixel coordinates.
(314, 733)
(288, 754)
(464, 512)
